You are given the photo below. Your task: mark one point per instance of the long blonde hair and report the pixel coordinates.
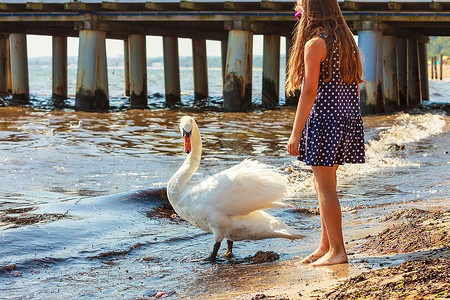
(323, 16)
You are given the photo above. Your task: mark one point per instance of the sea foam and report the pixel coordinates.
(407, 129)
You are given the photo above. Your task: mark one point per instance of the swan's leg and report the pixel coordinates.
(229, 253)
(213, 255)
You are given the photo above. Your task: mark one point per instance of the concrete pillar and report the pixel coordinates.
(8, 66)
(435, 68)
(138, 70)
(126, 66)
(224, 48)
(59, 68)
(423, 66)
(402, 71)
(19, 67)
(90, 94)
(390, 88)
(101, 84)
(414, 91)
(291, 100)
(271, 71)
(249, 73)
(200, 68)
(87, 68)
(381, 105)
(432, 67)
(238, 71)
(171, 70)
(369, 42)
(4, 40)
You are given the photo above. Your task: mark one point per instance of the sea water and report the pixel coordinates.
(72, 226)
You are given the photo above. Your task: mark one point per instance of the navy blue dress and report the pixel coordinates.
(333, 133)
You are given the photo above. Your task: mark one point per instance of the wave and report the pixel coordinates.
(382, 153)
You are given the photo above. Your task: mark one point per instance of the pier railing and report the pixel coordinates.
(392, 36)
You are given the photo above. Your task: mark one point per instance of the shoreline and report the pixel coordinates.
(377, 267)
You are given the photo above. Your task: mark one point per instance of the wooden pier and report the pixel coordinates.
(392, 36)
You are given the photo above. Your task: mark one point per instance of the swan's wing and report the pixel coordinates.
(244, 188)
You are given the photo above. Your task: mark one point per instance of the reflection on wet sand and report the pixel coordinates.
(286, 279)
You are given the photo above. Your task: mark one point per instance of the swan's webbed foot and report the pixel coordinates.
(213, 255)
(229, 253)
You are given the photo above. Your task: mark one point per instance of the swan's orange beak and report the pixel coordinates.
(187, 144)
(187, 141)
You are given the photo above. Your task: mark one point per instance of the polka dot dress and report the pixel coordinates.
(334, 132)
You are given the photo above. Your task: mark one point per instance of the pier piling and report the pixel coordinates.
(8, 66)
(390, 90)
(423, 66)
(271, 71)
(126, 66)
(91, 93)
(380, 77)
(369, 42)
(414, 90)
(395, 67)
(249, 74)
(435, 68)
(171, 70)
(4, 40)
(19, 68)
(432, 67)
(200, 69)
(86, 71)
(223, 48)
(138, 70)
(101, 85)
(238, 70)
(402, 71)
(291, 100)
(59, 68)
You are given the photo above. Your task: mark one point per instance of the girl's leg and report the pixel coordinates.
(324, 245)
(331, 216)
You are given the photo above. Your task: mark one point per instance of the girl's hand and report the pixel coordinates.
(292, 146)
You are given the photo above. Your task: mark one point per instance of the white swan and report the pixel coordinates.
(228, 204)
(78, 126)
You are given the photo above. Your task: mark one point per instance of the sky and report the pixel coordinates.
(38, 46)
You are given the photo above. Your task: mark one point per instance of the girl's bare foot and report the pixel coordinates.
(331, 259)
(314, 256)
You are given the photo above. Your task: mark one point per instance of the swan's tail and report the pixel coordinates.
(289, 233)
(281, 229)
(279, 204)
(261, 225)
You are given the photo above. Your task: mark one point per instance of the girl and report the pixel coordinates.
(328, 128)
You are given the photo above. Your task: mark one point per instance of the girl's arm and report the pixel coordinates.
(315, 53)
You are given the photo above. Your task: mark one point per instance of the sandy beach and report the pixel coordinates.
(410, 257)
(425, 235)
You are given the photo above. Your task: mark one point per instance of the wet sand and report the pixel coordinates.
(406, 253)
(425, 235)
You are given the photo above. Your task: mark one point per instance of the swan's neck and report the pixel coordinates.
(177, 184)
